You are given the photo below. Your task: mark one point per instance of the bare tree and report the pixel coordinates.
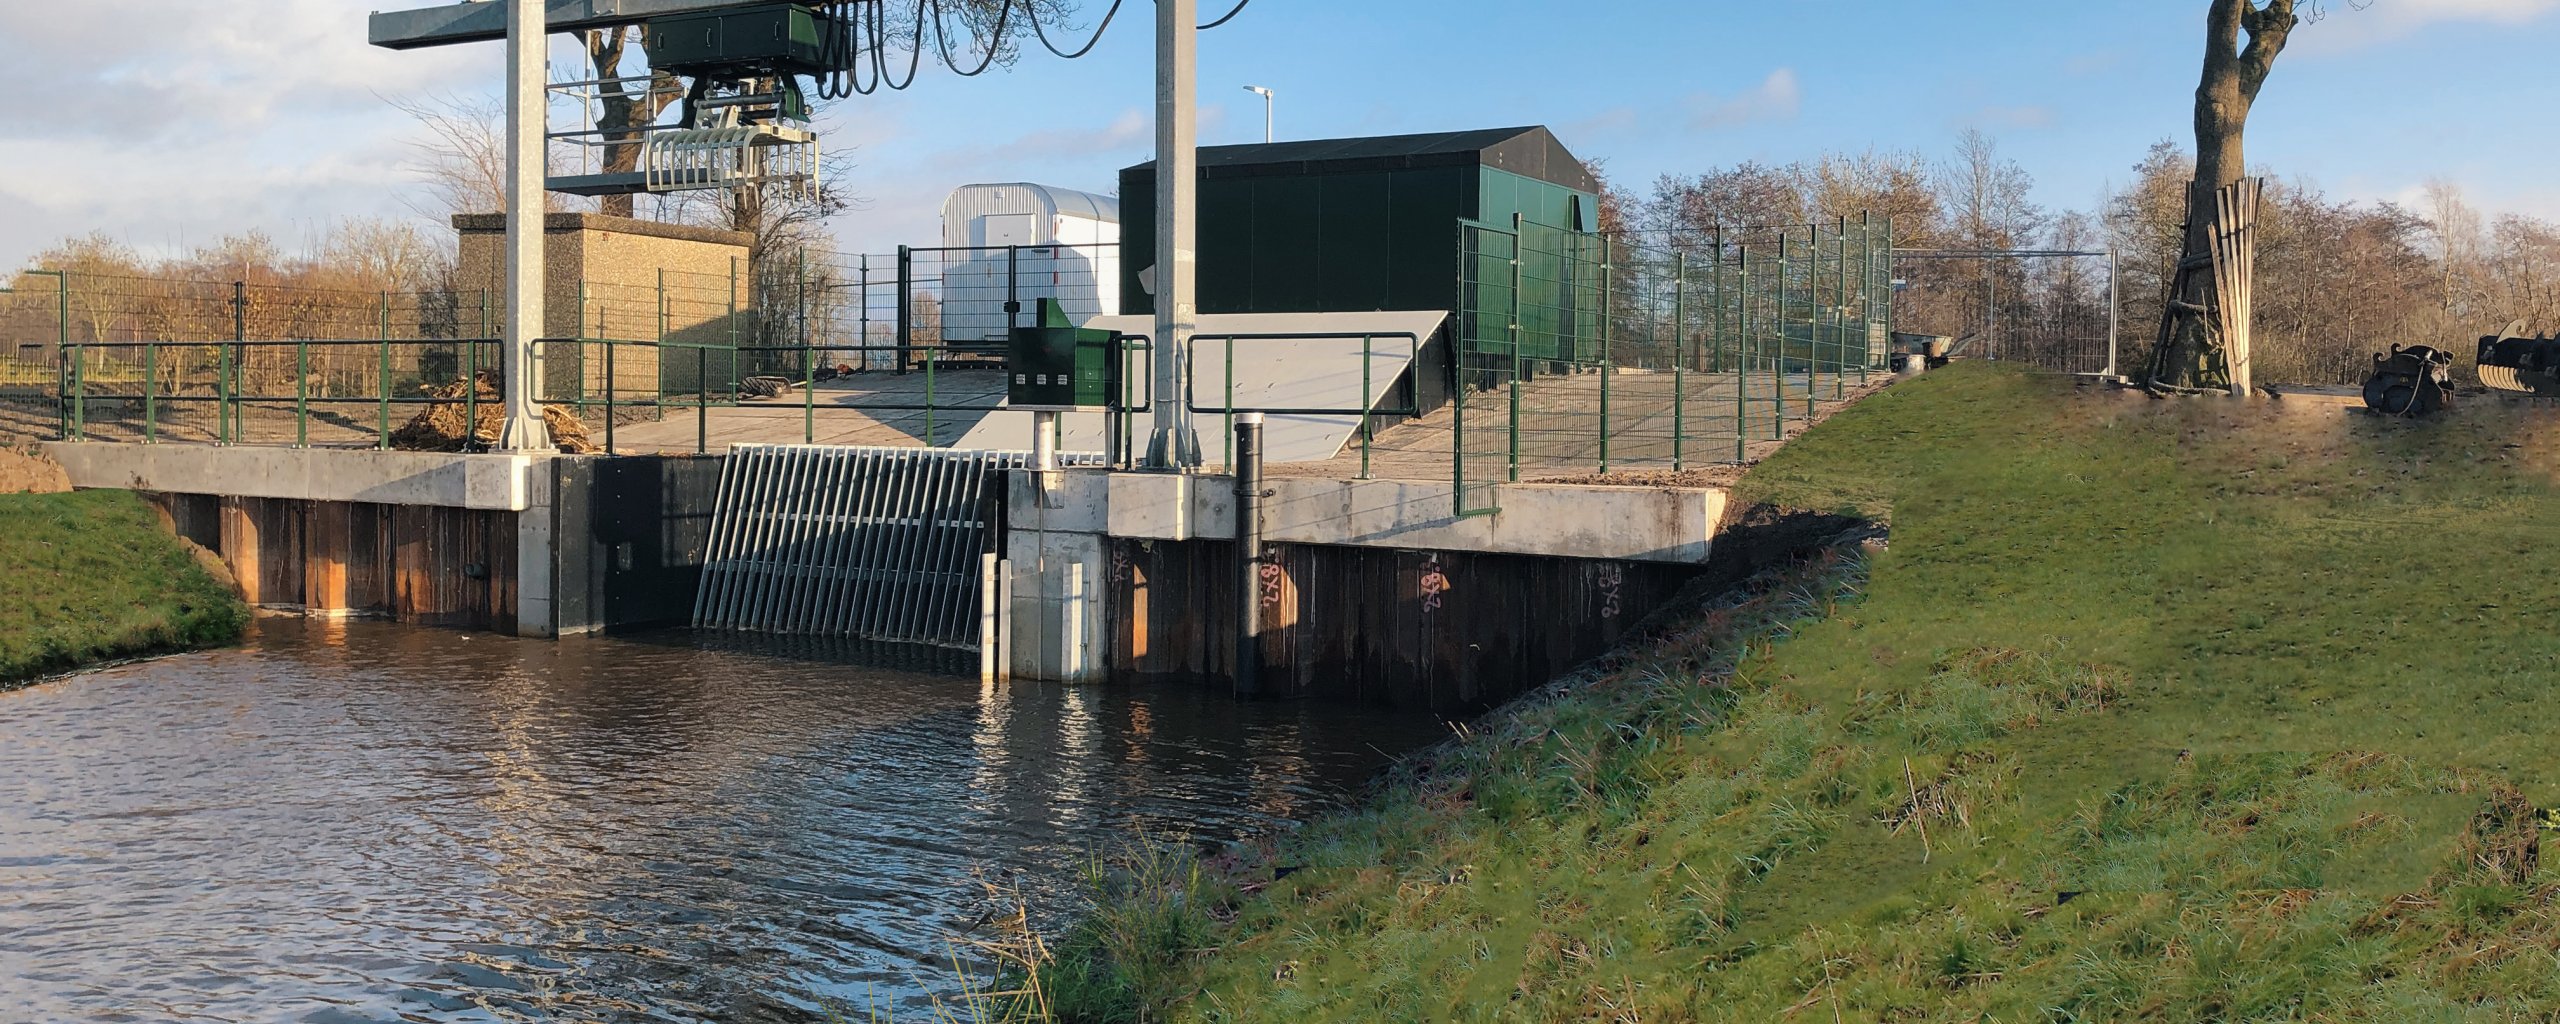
(624, 107)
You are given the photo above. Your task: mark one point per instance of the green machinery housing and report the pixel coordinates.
(1358, 225)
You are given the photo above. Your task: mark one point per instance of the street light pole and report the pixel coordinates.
(1268, 99)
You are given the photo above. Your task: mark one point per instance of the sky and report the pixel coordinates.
(169, 123)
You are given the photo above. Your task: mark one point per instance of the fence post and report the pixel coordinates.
(737, 362)
(808, 359)
(63, 356)
(2115, 310)
(471, 378)
(1741, 338)
(1867, 296)
(1608, 355)
(1679, 359)
(661, 403)
(1368, 428)
(609, 384)
(1519, 239)
(906, 304)
(582, 344)
(226, 416)
(150, 393)
(1778, 429)
(301, 393)
(382, 440)
(862, 315)
(1012, 287)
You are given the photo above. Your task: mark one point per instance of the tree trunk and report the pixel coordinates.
(2189, 352)
(622, 110)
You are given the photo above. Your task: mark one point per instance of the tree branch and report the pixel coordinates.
(2270, 28)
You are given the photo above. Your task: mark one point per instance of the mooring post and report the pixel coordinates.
(1248, 462)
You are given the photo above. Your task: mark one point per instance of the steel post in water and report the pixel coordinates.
(1248, 467)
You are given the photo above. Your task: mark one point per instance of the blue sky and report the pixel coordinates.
(272, 113)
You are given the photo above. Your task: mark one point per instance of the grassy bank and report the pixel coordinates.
(2154, 711)
(91, 577)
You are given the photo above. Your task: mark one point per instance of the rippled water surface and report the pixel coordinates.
(360, 822)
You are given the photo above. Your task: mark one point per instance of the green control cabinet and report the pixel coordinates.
(1059, 367)
(775, 39)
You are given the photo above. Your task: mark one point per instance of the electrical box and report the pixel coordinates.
(775, 39)
(1059, 367)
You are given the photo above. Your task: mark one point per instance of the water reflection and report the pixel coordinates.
(357, 822)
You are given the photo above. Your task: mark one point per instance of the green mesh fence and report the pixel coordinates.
(1584, 353)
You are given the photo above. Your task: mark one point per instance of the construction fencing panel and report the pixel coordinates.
(871, 543)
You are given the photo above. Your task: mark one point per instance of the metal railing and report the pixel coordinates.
(1584, 353)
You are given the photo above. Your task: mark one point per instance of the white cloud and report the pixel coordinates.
(2348, 26)
(1777, 98)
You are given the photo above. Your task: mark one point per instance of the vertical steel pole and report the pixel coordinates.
(227, 389)
(1519, 238)
(1608, 356)
(382, 436)
(1741, 334)
(1679, 359)
(862, 316)
(471, 378)
(808, 358)
(301, 393)
(1174, 444)
(1840, 318)
(1812, 318)
(2115, 311)
(1867, 293)
(1248, 469)
(609, 384)
(581, 343)
(1778, 395)
(150, 393)
(528, 77)
(906, 304)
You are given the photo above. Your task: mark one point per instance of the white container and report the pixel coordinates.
(1021, 242)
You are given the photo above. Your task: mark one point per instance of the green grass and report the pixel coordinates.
(2155, 711)
(91, 577)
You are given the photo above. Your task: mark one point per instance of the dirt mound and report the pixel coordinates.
(444, 425)
(30, 473)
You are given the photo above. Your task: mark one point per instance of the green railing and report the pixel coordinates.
(1373, 386)
(1581, 353)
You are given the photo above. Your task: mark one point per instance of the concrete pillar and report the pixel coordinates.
(1061, 578)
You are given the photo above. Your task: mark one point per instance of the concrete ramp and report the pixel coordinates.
(1330, 372)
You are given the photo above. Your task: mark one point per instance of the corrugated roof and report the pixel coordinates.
(1531, 151)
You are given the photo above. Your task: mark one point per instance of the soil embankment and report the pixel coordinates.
(95, 576)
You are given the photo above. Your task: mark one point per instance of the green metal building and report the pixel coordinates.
(1349, 225)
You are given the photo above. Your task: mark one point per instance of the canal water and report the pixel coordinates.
(360, 822)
